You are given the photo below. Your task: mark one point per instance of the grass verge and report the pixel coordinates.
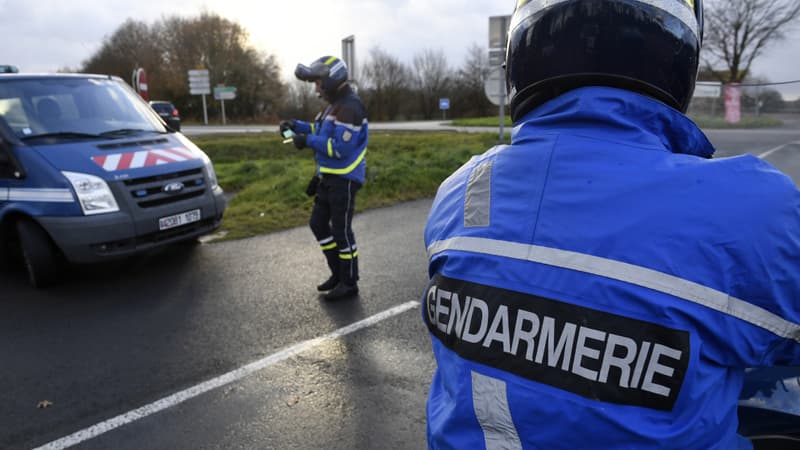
(269, 178)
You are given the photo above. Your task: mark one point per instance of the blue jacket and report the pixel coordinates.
(339, 137)
(602, 283)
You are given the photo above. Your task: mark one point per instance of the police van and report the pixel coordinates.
(89, 172)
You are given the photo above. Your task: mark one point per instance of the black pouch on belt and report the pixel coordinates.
(312, 186)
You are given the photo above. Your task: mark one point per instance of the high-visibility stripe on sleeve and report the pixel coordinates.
(330, 148)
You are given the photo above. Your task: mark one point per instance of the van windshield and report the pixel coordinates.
(74, 108)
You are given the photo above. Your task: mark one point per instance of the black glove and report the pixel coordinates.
(286, 125)
(300, 141)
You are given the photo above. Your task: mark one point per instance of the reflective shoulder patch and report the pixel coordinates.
(478, 199)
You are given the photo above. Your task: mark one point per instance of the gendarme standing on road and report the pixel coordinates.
(602, 282)
(338, 137)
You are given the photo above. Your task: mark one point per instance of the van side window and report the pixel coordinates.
(11, 109)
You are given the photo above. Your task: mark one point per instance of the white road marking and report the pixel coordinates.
(773, 150)
(222, 380)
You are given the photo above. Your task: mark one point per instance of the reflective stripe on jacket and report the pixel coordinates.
(602, 283)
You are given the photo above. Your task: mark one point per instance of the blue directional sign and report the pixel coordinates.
(444, 103)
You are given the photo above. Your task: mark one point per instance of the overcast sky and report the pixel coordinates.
(46, 35)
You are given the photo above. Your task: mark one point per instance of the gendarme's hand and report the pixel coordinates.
(300, 141)
(287, 125)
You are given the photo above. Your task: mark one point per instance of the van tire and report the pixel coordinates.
(40, 256)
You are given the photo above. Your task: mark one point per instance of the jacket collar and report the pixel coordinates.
(618, 115)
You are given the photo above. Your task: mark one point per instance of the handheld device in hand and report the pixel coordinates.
(287, 134)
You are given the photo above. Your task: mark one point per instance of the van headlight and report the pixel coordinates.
(212, 175)
(93, 192)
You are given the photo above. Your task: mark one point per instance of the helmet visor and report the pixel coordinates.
(313, 73)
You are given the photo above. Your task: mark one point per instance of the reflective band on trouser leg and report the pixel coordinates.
(490, 401)
(348, 265)
(348, 255)
(327, 244)
(329, 249)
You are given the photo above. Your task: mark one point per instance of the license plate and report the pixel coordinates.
(177, 220)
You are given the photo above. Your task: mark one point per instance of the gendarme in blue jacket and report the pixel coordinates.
(339, 137)
(602, 283)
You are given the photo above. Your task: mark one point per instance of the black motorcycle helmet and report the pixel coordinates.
(648, 46)
(330, 70)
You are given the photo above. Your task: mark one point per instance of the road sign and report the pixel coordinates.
(224, 92)
(495, 86)
(199, 83)
(139, 82)
(444, 103)
(707, 89)
(497, 57)
(498, 31)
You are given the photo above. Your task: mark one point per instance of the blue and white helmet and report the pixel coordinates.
(330, 70)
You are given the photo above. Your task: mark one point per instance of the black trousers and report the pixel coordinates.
(331, 221)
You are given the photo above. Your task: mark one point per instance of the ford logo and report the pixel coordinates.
(173, 187)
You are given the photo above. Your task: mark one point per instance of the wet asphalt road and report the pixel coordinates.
(123, 336)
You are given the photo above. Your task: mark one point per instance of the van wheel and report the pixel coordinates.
(39, 255)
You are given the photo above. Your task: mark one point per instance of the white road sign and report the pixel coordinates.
(495, 86)
(199, 83)
(707, 89)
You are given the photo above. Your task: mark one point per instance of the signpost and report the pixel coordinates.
(444, 105)
(349, 56)
(199, 84)
(495, 86)
(223, 93)
(139, 82)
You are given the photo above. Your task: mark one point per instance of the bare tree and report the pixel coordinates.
(431, 79)
(469, 97)
(386, 83)
(131, 46)
(168, 49)
(738, 31)
(220, 45)
(302, 101)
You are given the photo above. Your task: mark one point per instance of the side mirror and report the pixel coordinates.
(9, 167)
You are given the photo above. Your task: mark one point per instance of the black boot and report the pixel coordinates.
(329, 284)
(342, 290)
